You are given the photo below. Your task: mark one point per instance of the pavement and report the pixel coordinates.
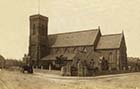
(59, 77)
(50, 80)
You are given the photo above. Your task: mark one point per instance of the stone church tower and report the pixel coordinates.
(38, 42)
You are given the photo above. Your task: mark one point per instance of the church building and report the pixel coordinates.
(87, 45)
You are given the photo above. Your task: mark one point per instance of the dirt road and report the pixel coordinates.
(17, 80)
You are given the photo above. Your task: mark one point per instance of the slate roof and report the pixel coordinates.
(109, 41)
(80, 38)
(70, 39)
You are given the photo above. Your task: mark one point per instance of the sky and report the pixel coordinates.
(113, 16)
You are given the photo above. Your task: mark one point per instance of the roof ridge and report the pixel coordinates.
(112, 34)
(75, 32)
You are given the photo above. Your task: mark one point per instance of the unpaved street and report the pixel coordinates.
(17, 80)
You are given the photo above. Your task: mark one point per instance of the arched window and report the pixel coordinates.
(111, 57)
(74, 50)
(33, 29)
(65, 50)
(43, 30)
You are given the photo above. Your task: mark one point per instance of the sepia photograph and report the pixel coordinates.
(69, 44)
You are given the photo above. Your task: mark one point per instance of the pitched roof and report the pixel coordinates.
(78, 38)
(110, 41)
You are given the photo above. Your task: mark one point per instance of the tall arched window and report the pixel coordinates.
(33, 29)
(111, 57)
(43, 30)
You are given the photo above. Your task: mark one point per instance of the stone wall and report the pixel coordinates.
(115, 57)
